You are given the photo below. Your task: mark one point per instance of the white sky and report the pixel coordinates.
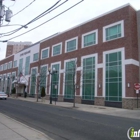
(84, 11)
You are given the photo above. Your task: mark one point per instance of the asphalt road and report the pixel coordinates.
(68, 124)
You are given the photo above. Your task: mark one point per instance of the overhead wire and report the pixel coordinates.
(44, 22)
(24, 8)
(16, 14)
(33, 20)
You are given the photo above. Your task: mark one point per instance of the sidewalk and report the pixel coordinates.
(13, 130)
(134, 114)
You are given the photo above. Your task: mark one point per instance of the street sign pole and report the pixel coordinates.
(137, 92)
(137, 101)
(137, 88)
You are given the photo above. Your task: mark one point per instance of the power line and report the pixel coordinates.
(24, 8)
(33, 20)
(45, 21)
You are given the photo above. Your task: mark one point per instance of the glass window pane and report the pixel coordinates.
(20, 66)
(69, 75)
(45, 53)
(113, 77)
(90, 39)
(35, 57)
(55, 81)
(113, 32)
(27, 65)
(33, 81)
(88, 78)
(56, 50)
(71, 45)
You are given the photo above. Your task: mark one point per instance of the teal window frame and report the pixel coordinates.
(13, 78)
(10, 65)
(2, 67)
(69, 74)
(55, 81)
(71, 45)
(45, 53)
(15, 64)
(88, 75)
(113, 32)
(57, 50)
(33, 81)
(36, 57)
(43, 76)
(113, 77)
(20, 66)
(89, 39)
(27, 65)
(6, 65)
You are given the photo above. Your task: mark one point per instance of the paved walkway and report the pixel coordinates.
(13, 130)
(134, 114)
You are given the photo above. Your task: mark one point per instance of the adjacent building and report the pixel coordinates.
(14, 47)
(96, 62)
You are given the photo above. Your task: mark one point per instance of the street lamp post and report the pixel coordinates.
(8, 85)
(51, 72)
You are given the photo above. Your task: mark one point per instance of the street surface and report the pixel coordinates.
(62, 123)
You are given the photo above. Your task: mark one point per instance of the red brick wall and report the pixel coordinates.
(129, 41)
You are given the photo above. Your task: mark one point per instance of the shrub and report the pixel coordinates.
(43, 92)
(14, 90)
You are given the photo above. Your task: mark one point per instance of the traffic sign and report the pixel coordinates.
(137, 86)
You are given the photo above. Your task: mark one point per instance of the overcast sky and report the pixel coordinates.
(84, 11)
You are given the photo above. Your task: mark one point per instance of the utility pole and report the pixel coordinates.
(0, 11)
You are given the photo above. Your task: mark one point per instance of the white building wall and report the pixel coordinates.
(25, 53)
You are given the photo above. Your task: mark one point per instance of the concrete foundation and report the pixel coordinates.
(130, 103)
(60, 98)
(78, 99)
(99, 101)
(47, 97)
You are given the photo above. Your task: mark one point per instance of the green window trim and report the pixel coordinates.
(57, 50)
(20, 65)
(55, 81)
(113, 32)
(45, 53)
(71, 45)
(33, 81)
(35, 57)
(89, 39)
(88, 81)
(43, 76)
(27, 65)
(69, 74)
(15, 64)
(113, 80)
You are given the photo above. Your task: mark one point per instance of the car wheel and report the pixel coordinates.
(5, 98)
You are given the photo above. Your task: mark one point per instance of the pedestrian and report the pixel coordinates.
(25, 91)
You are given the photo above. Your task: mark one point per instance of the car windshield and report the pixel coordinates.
(2, 93)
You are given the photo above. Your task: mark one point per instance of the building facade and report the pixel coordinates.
(14, 47)
(97, 62)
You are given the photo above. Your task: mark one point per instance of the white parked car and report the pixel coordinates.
(3, 95)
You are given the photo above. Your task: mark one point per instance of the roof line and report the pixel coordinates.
(106, 13)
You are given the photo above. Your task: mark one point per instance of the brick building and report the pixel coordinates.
(14, 47)
(97, 62)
